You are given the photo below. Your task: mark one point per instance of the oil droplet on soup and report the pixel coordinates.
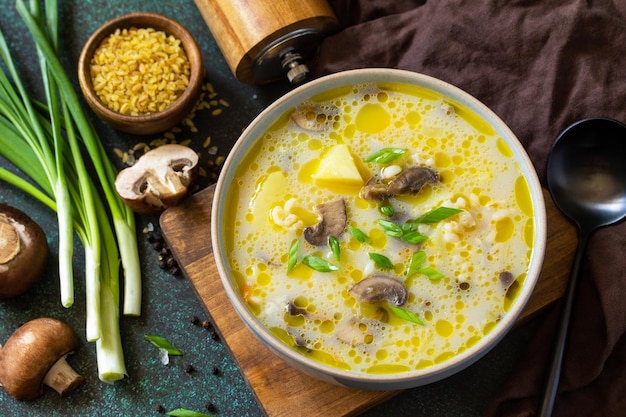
(303, 294)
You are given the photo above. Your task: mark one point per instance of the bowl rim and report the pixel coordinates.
(364, 380)
(158, 22)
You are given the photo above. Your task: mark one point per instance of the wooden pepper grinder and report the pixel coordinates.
(264, 40)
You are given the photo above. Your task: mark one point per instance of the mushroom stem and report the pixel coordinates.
(62, 377)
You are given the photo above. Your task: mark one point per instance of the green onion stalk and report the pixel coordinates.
(123, 217)
(44, 142)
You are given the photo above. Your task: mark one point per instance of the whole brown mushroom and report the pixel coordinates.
(34, 356)
(23, 251)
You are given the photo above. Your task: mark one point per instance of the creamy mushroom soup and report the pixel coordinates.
(380, 228)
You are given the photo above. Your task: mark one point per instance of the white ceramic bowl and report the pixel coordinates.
(327, 373)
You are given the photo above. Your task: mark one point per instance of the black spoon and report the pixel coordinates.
(587, 180)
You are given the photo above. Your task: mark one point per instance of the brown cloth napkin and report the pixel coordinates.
(540, 65)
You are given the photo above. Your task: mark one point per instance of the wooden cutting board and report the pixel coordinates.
(187, 231)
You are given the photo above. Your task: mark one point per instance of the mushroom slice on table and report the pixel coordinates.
(34, 355)
(380, 287)
(159, 179)
(23, 251)
(333, 219)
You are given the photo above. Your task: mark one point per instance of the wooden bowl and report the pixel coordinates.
(148, 123)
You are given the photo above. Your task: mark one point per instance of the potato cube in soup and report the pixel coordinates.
(269, 193)
(337, 168)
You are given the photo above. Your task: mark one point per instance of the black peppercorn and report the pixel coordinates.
(194, 320)
(189, 369)
(215, 370)
(159, 408)
(210, 407)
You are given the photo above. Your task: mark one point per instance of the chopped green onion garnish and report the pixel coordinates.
(431, 273)
(386, 209)
(318, 264)
(381, 261)
(437, 215)
(391, 228)
(334, 246)
(359, 235)
(405, 314)
(417, 260)
(385, 155)
(293, 255)
(161, 343)
(184, 412)
(414, 237)
(415, 267)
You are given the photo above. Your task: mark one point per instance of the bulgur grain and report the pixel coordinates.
(139, 70)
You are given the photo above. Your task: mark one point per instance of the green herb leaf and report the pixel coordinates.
(391, 228)
(437, 215)
(161, 343)
(405, 314)
(319, 264)
(293, 255)
(359, 235)
(414, 237)
(431, 273)
(334, 246)
(387, 210)
(385, 155)
(415, 265)
(381, 261)
(184, 412)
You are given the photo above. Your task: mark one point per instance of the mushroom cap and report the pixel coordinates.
(30, 352)
(159, 179)
(23, 251)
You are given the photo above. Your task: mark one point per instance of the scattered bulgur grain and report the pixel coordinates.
(224, 103)
(118, 152)
(185, 142)
(207, 142)
(219, 160)
(216, 112)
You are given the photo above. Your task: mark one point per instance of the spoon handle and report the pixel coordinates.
(546, 404)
